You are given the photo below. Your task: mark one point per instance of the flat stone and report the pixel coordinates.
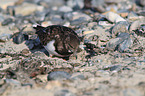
(113, 17)
(58, 75)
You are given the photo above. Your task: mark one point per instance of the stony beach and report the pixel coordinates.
(110, 59)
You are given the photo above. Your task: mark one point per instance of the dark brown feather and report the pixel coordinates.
(66, 40)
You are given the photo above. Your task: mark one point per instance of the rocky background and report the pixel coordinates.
(110, 60)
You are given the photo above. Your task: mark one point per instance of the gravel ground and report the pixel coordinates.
(110, 60)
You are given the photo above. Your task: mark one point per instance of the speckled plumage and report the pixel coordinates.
(66, 40)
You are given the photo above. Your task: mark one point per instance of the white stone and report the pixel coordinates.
(113, 17)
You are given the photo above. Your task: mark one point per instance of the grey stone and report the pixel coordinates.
(76, 4)
(1, 18)
(12, 81)
(19, 38)
(64, 92)
(78, 21)
(121, 26)
(5, 37)
(65, 9)
(57, 21)
(58, 75)
(76, 76)
(7, 21)
(131, 92)
(77, 15)
(122, 42)
(68, 16)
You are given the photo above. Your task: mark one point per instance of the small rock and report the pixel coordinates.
(76, 76)
(12, 81)
(132, 16)
(122, 42)
(5, 37)
(131, 92)
(136, 24)
(25, 51)
(68, 16)
(77, 15)
(7, 21)
(115, 68)
(57, 21)
(121, 26)
(65, 9)
(104, 23)
(27, 9)
(58, 75)
(64, 92)
(1, 19)
(75, 4)
(39, 16)
(43, 78)
(19, 38)
(101, 73)
(113, 17)
(78, 21)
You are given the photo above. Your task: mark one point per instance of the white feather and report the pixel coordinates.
(51, 48)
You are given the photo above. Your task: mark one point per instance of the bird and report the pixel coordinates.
(58, 40)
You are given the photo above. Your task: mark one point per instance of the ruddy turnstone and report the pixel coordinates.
(58, 40)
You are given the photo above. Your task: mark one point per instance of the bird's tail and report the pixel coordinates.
(39, 28)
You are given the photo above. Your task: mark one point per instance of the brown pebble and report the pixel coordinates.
(25, 51)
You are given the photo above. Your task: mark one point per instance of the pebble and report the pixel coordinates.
(76, 76)
(5, 37)
(64, 92)
(19, 38)
(131, 92)
(58, 75)
(1, 19)
(101, 73)
(12, 81)
(78, 21)
(121, 26)
(122, 42)
(114, 17)
(57, 21)
(77, 15)
(136, 24)
(115, 68)
(27, 9)
(7, 21)
(132, 16)
(65, 9)
(75, 4)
